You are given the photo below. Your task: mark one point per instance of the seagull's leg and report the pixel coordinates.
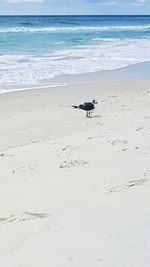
(87, 114)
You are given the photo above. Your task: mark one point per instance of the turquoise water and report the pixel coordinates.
(35, 49)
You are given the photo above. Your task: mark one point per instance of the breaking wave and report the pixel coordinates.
(74, 29)
(18, 71)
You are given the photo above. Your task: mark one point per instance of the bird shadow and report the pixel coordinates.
(95, 116)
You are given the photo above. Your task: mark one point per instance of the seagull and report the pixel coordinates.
(87, 106)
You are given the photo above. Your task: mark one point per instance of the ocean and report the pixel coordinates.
(36, 49)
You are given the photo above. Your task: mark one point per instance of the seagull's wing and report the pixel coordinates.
(81, 106)
(88, 105)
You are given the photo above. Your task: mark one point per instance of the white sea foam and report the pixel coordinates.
(18, 71)
(75, 29)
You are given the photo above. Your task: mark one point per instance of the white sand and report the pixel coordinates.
(75, 191)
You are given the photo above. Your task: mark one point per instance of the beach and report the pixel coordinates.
(75, 191)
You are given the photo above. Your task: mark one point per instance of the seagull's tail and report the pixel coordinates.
(75, 107)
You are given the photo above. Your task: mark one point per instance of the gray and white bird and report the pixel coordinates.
(88, 107)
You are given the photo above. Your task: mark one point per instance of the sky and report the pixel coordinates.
(72, 7)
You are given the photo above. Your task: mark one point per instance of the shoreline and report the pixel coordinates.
(132, 72)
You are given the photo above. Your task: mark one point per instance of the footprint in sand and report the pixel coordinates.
(94, 137)
(129, 184)
(69, 150)
(146, 93)
(2, 155)
(25, 168)
(140, 128)
(125, 149)
(136, 148)
(9, 219)
(73, 163)
(26, 216)
(118, 142)
(91, 137)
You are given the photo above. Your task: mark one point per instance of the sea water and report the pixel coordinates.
(35, 49)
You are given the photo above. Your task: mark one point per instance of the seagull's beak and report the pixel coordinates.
(95, 102)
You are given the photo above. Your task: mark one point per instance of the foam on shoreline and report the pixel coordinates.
(133, 72)
(34, 70)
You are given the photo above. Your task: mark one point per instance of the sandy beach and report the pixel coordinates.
(75, 191)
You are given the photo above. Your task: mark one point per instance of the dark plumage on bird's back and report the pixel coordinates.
(87, 106)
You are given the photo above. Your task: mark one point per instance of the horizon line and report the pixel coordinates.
(67, 15)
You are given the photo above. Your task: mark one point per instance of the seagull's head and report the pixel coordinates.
(94, 102)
